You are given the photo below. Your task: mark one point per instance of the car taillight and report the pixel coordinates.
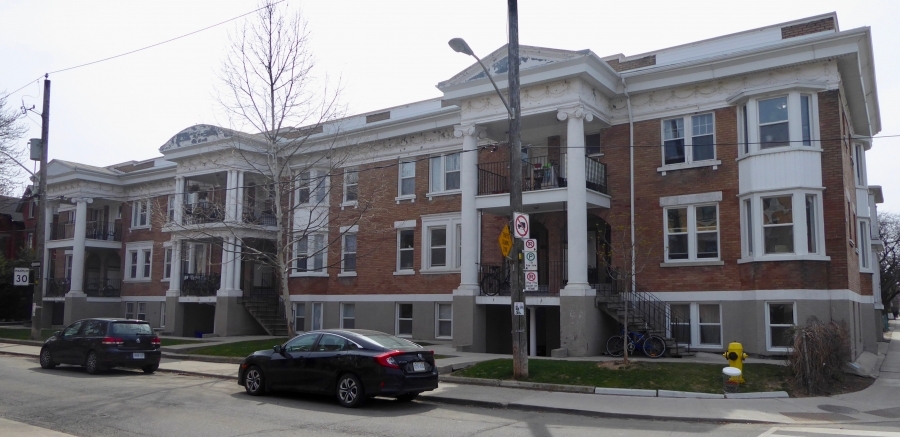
(156, 341)
(112, 341)
(387, 359)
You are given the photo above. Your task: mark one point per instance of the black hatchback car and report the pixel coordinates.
(98, 344)
(353, 364)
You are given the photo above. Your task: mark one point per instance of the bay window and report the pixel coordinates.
(782, 225)
(778, 119)
(440, 248)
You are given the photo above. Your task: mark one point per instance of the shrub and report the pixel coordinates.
(821, 349)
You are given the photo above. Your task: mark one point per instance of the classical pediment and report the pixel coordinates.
(197, 134)
(497, 63)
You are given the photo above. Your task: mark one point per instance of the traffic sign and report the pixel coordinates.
(530, 245)
(521, 227)
(505, 241)
(531, 281)
(519, 308)
(531, 261)
(20, 276)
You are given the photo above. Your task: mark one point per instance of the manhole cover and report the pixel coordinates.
(838, 409)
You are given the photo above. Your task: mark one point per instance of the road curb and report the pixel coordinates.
(200, 374)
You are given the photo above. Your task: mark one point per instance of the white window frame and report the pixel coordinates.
(68, 271)
(859, 167)
(318, 316)
(347, 184)
(168, 254)
(129, 310)
(688, 137)
(452, 223)
(162, 314)
(316, 184)
(438, 320)
(141, 249)
(170, 209)
(397, 320)
(801, 248)
(438, 163)
(692, 232)
(865, 248)
(136, 214)
(349, 231)
(748, 119)
(345, 317)
(316, 249)
(769, 326)
(411, 270)
(141, 313)
(694, 322)
(400, 178)
(300, 315)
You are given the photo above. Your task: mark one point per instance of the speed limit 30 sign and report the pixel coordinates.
(21, 276)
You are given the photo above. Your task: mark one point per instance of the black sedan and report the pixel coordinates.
(353, 364)
(98, 344)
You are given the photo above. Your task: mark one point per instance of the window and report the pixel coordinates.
(303, 343)
(351, 185)
(348, 317)
(142, 310)
(170, 209)
(404, 319)
(444, 173)
(780, 317)
(748, 226)
(29, 240)
(129, 310)
(459, 245)
(299, 316)
(138, 260)
(778, 224)
(864, 245)
(773, 123)
(696, 324)
(303, 188)
(133, 259)
(444, 320)
(140, 213)
(146, 257)
(407, 184)
(441, 249)
(592, 145)
(167, 264)
(692, 233)
(162, 314)
(68, 267)
(311, 187)
(316, 316)
(860, 165)
(349, 253)
(405, 248)
(311, 253)
(679, 148)
(812, 234)
(438, 246)
(31, 209)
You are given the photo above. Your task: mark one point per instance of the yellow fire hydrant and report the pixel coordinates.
(736, 356)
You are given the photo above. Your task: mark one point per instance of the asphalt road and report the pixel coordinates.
(128, 403)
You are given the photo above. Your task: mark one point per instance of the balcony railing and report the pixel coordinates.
(200, 285)
(552, 277)
(259, 217)
(58, 287)
(105, 231)
(539, 173)
(203, 212)
(103, 287)
(62, 230)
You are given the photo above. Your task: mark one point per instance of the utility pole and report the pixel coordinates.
(42, 271)
(517, 294)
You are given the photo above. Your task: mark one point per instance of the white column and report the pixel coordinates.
(576, 192)
(236, 265)
(469, 188)
(179, 199)
(175, 273)
(81, 204)
(226, 275)
(239, 196)
(230, 207)
(532, 332)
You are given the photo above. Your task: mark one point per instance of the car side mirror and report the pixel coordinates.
(278, 349)
(57, 334)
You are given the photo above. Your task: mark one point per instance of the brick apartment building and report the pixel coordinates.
(738, 162)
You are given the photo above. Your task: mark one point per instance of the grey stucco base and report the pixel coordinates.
(233, 319)
(77, 308)
(468, 325)
(579, 325)
(174, 317)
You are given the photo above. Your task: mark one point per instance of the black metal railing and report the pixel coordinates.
(200, 285)
(267, 306)
(103, 287)
(539, 173)
(58, 287)
(259, 217)
(203, 212)
(97, 230)
(62, 230)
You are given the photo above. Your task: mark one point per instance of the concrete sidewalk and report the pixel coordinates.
(878, 403)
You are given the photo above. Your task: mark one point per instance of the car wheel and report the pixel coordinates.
(255, 382)
(407, 397)
(150, 368)
(350, 391)
(46, 359)
(92, 363)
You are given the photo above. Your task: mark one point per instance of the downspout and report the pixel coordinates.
(631, 182)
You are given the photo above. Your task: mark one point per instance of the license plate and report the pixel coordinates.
(138, 356)
(418, 366)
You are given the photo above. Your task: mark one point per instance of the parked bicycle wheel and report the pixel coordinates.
(615, 346)
(654, 346)
(490, 285)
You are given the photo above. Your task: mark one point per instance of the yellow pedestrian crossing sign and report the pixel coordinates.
(505, 241)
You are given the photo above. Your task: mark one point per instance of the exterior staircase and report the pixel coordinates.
(267, 307)
(646, 313)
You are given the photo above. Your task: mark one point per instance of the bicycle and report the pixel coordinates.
(652, 345)
(495, 282)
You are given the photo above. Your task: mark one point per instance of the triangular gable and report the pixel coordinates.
(498, 63)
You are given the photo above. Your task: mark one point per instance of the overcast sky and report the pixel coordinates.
(386, 53)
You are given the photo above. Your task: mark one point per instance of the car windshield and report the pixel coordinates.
(391, 342)
(130, 329)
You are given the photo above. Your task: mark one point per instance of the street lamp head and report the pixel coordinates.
(459, 45)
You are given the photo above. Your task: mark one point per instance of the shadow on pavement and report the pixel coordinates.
(373, 407)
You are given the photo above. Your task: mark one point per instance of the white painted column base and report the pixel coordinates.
(467, 290)
(577, 290)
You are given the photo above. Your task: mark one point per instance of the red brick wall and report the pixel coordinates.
(807, 28)
(157, 216)
(646, 61)
(865, 284)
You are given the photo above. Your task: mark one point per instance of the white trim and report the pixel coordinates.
(437, 320)
(108, 299)
(350, 229)
(411, 319)
(689, 263)
(411, 198)
(405, 224)
(689, 199)
(342, 316)
(140, 298)
(768, 327)
(310, 274)
(442, 193)
(407, 272)
(707, 163)
(400, 195)
(347, 275)
(758, 295)
(401, 298)
(766, 90)
(449, 222)
(688, 143)
(197, 299)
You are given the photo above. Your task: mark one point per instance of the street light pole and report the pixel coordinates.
(40, 234)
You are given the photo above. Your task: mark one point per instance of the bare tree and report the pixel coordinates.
(11, 130)
(889, 258)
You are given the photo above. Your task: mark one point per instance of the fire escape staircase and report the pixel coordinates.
(267, 308)
(646, 314)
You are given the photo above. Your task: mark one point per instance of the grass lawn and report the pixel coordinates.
(238, 349)
(23, 334)
(693, 377)
(174, 341)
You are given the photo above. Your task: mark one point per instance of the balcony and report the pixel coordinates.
(203, 212)
(103, 287)
(105, 231)
(58, 287)
(193, 284)
(537, 174)
(62, 231)
(258, 216)
(552, 277)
